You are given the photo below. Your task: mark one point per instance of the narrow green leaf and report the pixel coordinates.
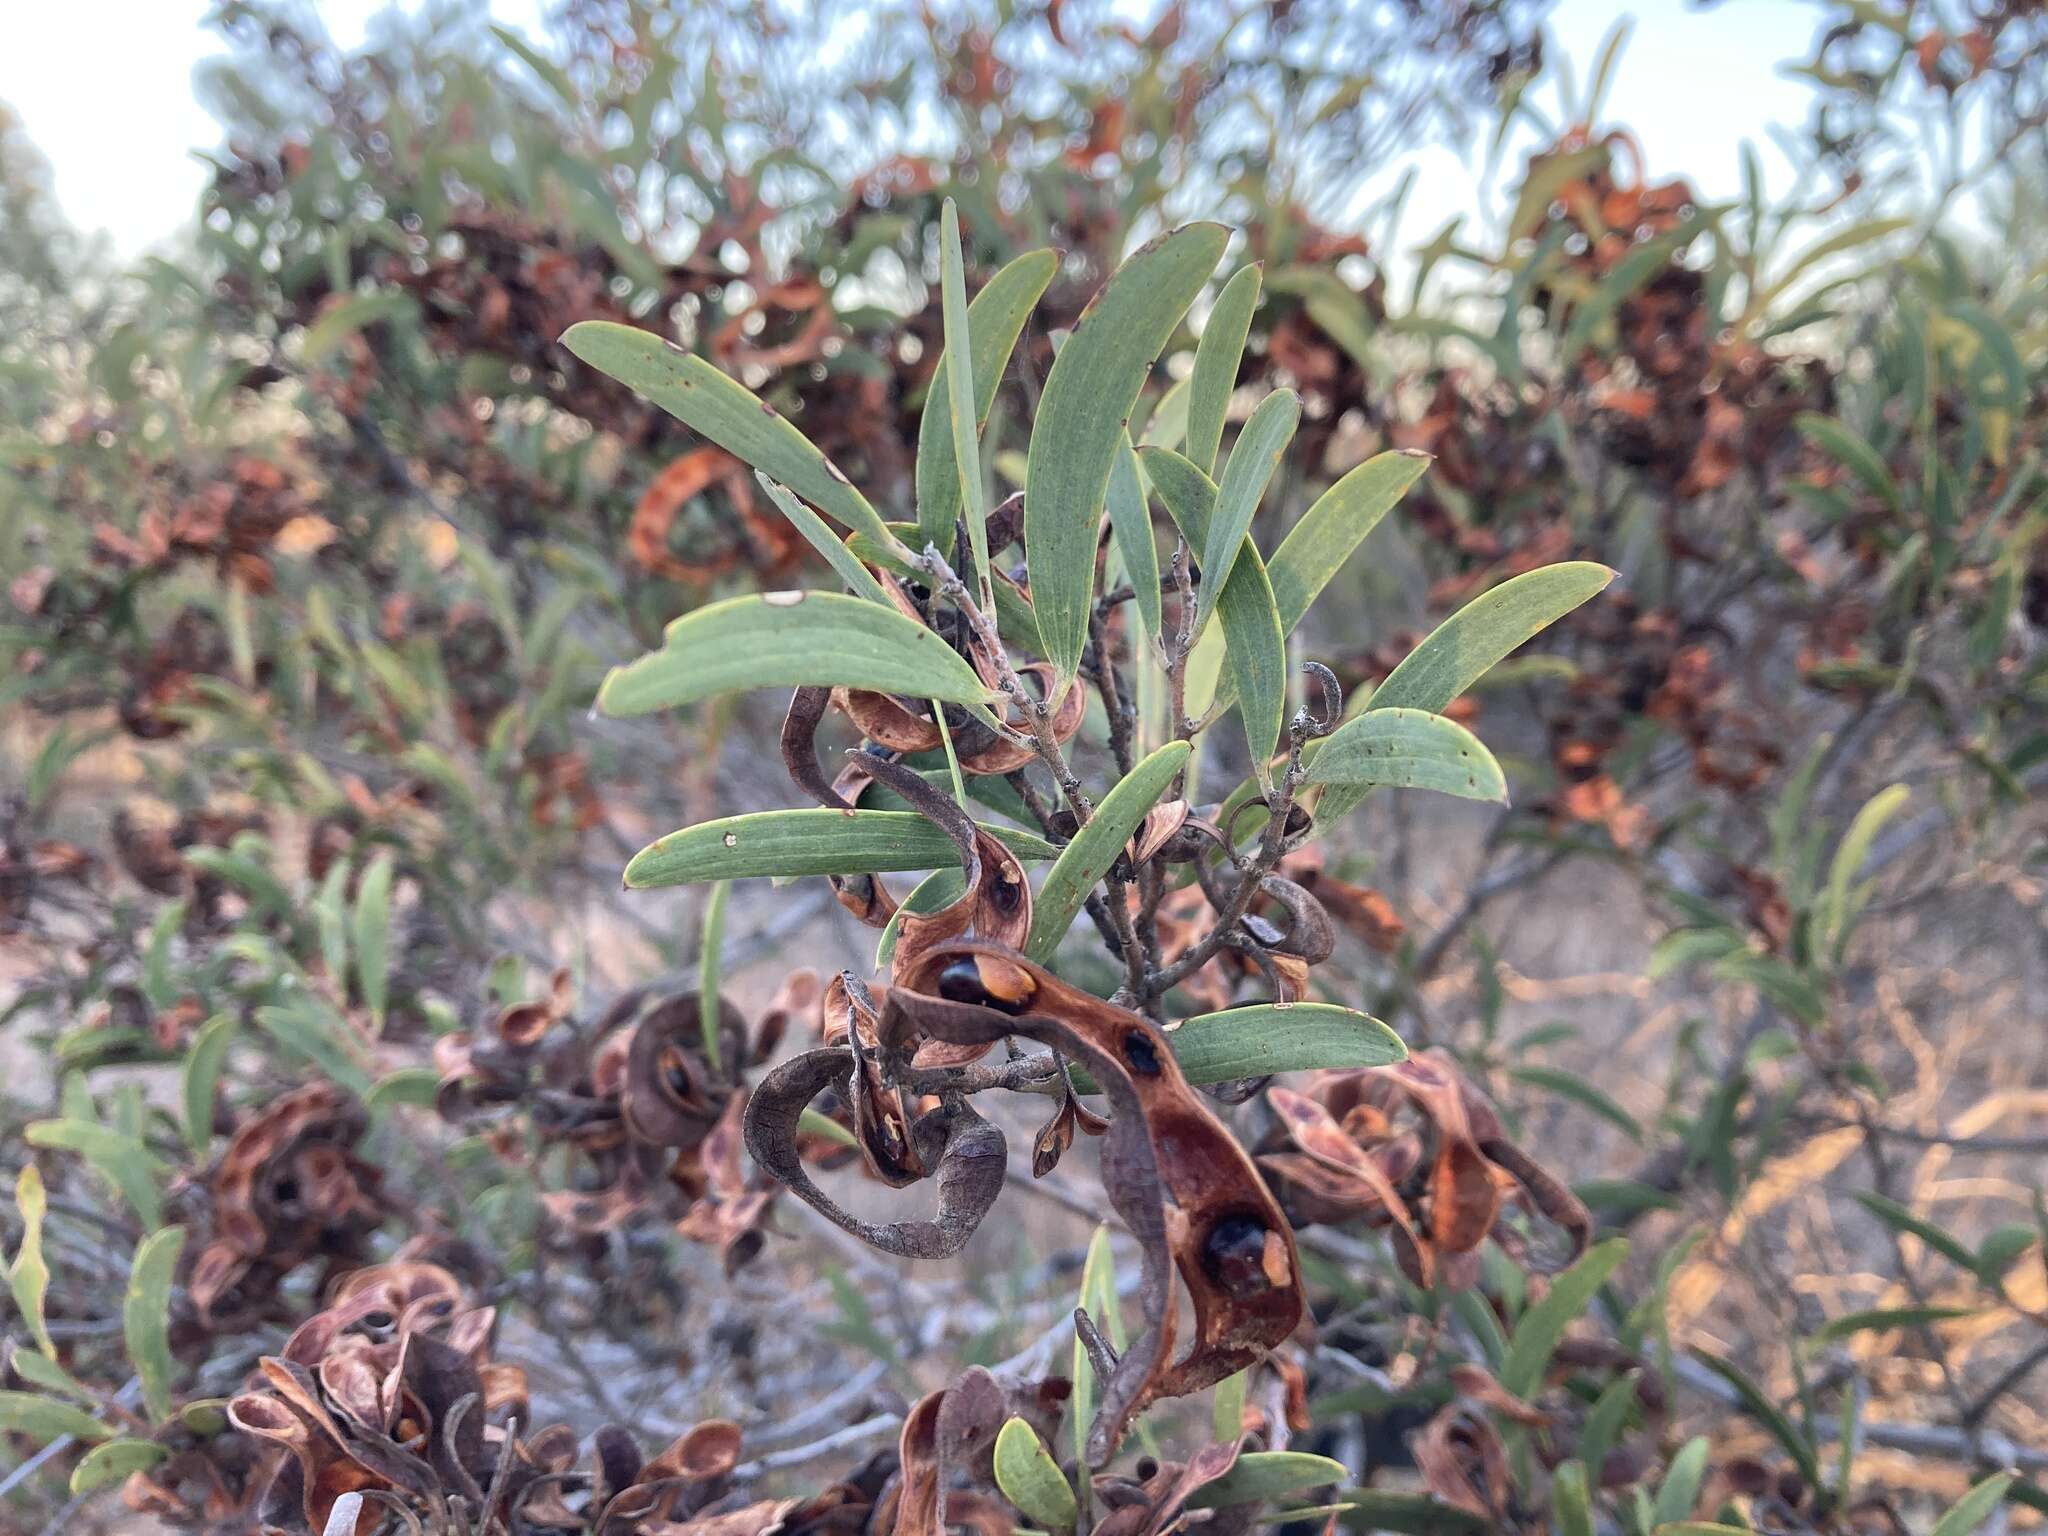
(39, 1370)
(791, 640)
(1861, 233)
(1409, 749)
(1414, 1514)
(1217, 356)
(708, 964)
(28, 1275)
(121, 1160)
(156, 959)
(812, 1123)
(965, 418)
(1130, 519)
(112, 1461)
(1974, 1508)
(1253, 459)
(1031, 1479)
(1098, 845)
(145, 1316)
(1539, 1330)
(1878, 1319)
(729, 414)
(1852, 453)
(45, 1419)
(1083, 415)
(1249, 617)
(1098, 1298)
(1604, 1424)
(1458, 652)
(356, 313)
(557, 79)
(1571, 1085)
(1900, 1219)
(416, 1086)
(1766, 1413)
(330, 916)
(311, 1028)
(1263, 1038)
(1227, 1407)
(1838, 906)
(372, 925)
(994, 321)
(1569, 1498)
(1262, 1475)
(819, 535)
(936, 891)
(1680, 1490)
(807, 842)
(2001, 1247)
(201, 1079)
(1316, 548)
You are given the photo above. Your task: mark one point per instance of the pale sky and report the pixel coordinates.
(104, 89)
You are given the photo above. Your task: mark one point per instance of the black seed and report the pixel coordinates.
(1141, 1053)
(1234, 1255)
(961, 982)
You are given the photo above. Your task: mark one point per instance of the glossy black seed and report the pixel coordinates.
(1234, 1255)
(960, 982)
(1140, 1052)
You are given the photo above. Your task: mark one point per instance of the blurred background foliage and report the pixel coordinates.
(317, 544)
